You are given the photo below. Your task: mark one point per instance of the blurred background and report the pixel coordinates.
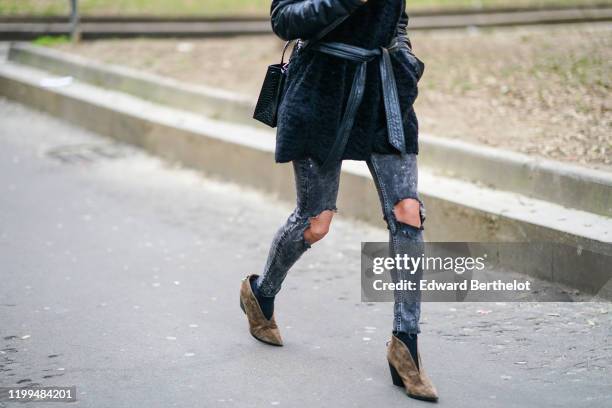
(136, 191)
(246, 7)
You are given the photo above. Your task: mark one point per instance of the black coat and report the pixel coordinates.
(318, 84)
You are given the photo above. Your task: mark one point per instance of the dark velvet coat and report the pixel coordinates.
(318, 84)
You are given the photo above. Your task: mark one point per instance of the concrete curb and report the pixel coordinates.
(212, 102)
(241, 154)
(565, 184)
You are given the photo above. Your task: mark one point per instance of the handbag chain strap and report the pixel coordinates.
(285, 50)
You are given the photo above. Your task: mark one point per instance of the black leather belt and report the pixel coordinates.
(393, 112)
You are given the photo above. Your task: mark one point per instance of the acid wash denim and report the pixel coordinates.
(396, 179)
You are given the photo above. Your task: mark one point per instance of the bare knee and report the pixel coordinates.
(319, 227)
(408, 211)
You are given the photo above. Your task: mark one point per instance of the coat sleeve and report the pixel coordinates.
(292, 19)
(401, 32)
(402, 28)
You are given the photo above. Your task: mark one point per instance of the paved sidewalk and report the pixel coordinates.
(119, 275)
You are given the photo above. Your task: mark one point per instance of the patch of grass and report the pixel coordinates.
(51, 40)
(235, 7)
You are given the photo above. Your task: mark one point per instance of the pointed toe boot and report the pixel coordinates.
(405, 373)
(261, 328)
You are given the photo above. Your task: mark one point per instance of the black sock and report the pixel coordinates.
(410, 340)
(266, 303)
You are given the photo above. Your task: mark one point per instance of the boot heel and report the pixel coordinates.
(397, 380)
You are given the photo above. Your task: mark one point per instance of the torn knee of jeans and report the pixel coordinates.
(332, 209)
(301, 225)
(404, 213)
(317, 231)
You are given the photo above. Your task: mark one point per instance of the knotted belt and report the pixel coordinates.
(395, 128)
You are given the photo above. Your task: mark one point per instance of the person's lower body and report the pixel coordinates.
(396, 179)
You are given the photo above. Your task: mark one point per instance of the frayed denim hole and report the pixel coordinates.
(422, 215)
(308, 221)
(301, 227)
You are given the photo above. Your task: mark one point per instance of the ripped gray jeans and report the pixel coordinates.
(396, 179)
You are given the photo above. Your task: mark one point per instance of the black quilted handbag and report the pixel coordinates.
(272, 92)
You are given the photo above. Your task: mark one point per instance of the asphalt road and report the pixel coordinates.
(119, 275)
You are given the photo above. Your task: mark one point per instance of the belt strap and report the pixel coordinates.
(395, 128)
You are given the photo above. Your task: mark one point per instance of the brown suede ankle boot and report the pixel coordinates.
(405, 373)
(261, 328)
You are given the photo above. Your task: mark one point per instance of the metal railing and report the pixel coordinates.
(75, 32)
